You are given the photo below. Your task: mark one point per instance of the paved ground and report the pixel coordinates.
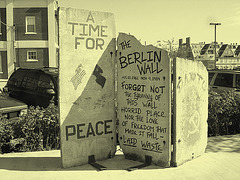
(221, 161)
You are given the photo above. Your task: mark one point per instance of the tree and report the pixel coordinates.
(170, 46)
(174, 50)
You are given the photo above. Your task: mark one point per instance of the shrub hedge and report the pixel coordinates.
(36, 130)
(39, 128)
(223, 113)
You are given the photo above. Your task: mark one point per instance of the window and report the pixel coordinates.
(210, 51)
(30, 81)
(3, 65)
(237, 80)
(30, 25)
(31, 56)
(16, 78)
(45, 82)
(223, 79)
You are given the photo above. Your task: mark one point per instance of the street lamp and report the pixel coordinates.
(215, 43)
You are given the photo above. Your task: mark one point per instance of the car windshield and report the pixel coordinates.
(210, 76)
(224, 79)
(237, 80)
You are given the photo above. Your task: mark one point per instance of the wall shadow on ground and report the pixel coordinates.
(118, 162)
(218, 144)
(228, 143)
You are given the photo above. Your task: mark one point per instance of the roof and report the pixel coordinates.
(222, 49)
(204, 49)
(237, 51)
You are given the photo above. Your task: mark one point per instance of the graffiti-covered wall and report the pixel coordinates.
(143, 99)
(143, 96)
(87, 112)
(190, 110)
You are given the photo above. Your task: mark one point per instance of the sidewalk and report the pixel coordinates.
(221, 161)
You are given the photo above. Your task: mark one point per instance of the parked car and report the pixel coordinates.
(224, 80)
(12, 108)
(35, 87)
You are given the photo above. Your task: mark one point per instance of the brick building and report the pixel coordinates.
(28, 35)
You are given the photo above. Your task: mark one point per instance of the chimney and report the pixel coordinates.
(188, 40)
(180, 42)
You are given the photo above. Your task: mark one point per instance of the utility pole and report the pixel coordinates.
(215, 41)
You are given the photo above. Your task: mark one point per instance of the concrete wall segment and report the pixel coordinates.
(143, 98)
(190, 110)
(87, 109)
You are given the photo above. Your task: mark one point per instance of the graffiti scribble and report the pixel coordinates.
(194, 124)
(77, 78)
(99, 78)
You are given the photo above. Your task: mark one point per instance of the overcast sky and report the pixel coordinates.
(153, 20)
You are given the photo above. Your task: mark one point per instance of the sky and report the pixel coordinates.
(154, 20)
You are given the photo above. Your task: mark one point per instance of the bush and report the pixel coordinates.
(6, 134)
(223, 113)
(37, 130)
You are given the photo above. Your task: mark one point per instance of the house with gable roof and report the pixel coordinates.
(228, 58)
(237, 51)
(207, 55)
(225, 51)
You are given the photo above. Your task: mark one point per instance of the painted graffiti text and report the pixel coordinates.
(147, 62)
(149, 146)
(125, 44)
(91, 129)
(133, 87)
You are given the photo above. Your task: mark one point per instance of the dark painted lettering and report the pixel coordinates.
(123, 62)
(90, 130)
(103, 30)
(147, 63)
(97, 128)
(99, 43)
(91, 28)
(150, 56)
(84, 33)
(157, 56)
(68, 133)
(80, 131)
(73, 25)
(90, 17)
(77, 39)
(129, 59)
(133, 87)
(107, 129)
(136, 57)
(125, 44)
(90, 43)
